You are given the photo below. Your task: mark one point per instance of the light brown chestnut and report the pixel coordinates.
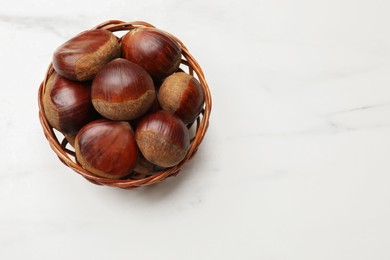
(182, 95)
(67, 105)
(81, 57)
(107, 148)
(122, 90)
(162, 138)
(157, 52)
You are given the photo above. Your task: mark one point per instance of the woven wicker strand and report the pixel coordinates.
(68, 156)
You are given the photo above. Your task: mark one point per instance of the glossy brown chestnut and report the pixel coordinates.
(81, 57)
(107, 148)
(182, 95)
(162, 138)
(68, 105)
(157, 52)
(122, 90)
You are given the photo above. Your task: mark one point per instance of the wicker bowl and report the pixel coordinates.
(66, 153)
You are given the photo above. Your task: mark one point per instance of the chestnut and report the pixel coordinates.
(67, 105)
(157, 52)
(81, 57)
(138, 176)
(107, 148)
(122, 90)
(71, 138)
(162, 138)
(182, 95)
(154, 107)
(145, 167)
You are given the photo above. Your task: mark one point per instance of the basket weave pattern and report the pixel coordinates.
(67, 156)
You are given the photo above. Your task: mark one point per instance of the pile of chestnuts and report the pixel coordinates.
(124, 105)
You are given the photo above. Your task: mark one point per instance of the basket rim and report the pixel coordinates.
(201, 123)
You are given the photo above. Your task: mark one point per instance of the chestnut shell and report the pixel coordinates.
(107, 148)
(157, 52)
(182, 95)
(81, 57)
(122, 90)
(162, 138)
(67, 104)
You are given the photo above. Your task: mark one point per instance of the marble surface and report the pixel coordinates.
(295, 164)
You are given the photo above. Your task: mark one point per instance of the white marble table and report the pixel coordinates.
(295, 165)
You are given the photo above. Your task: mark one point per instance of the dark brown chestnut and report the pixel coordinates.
(162, 138)
(68, 105)
(81, 57)
(157, 52)
(122, 90)
(182, 95)
(107, 148)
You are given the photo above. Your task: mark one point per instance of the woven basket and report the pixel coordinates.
(66, 154)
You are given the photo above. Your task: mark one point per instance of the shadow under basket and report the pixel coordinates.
(66, 153)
